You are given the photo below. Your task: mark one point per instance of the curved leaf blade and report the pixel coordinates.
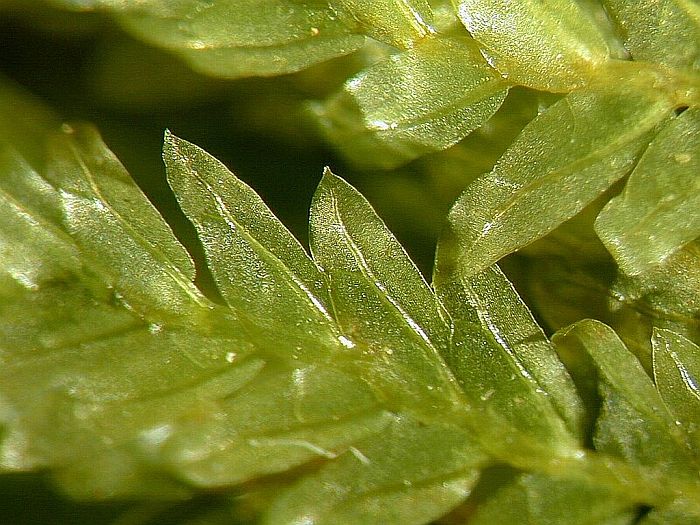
(400, 23)
(262, 271)
(665, 31)
(380, 299)
(429, 97)
(634, 422)
(552, 45)
(504, 363)
(563, 160)
(283, 419)
(656, 213)
(33, 246)
(235, 38)
(145, 263)
(677, 375)
(487, 309)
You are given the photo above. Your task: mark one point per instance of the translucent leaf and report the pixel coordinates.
(490, 301)
(665, 31)
(535, 499)
(379, 298)
(430, 97)
(284, 419)
(121, 407)
(33, 248)
(663, 297)
(234, 38)
(101, 201)
(676, 373)
(561, 161)
(400, 23)
(260, 268)
(657, 211)
(502, 359)
(552, 45)
(634, 423)
(409, 474)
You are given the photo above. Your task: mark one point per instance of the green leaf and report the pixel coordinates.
(30, 232)
(379, 298)
(24, 121)
(656, 212)
(535, 499)
(401, 23)
(430, 97)
(362, 404)
(664, 297)
(117, 405)
(260, 268)
(503, 361)
(285, 418)
(101, 201)
(234, 38)
(398, 478)
(553, 45)
(561, 161)
(676, 373)
(634, 423)
(665, 31)
(489, 315)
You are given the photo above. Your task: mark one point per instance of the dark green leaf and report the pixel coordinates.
(634, 422)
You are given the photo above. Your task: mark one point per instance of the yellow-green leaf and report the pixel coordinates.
(562, 161)
(657, 212)
(552, 45)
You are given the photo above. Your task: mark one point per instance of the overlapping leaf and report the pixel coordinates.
(503, 361)
(134, 393)
(233, 38)
(634, 421)
(388, 404)
(542, 500)
(657, 211)
(666, 31)
(663, 297)
(676, 373)
(552, 45)
(562, 161)
(430, 97)
(400, 23)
